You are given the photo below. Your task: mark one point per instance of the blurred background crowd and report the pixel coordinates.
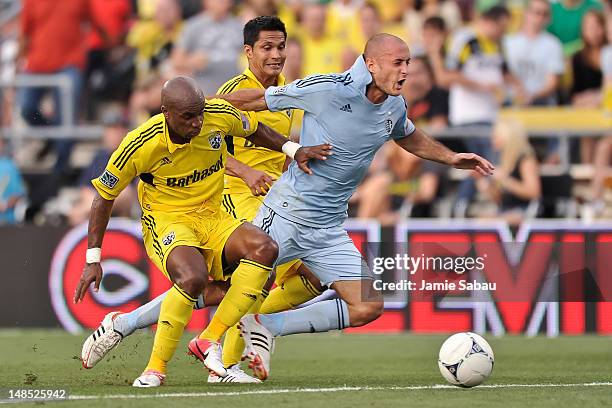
(76, 75)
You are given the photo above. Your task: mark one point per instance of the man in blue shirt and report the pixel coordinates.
(356, 112)
(11, 187)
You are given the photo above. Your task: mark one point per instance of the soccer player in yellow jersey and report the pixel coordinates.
(179, 156)
(250, 170)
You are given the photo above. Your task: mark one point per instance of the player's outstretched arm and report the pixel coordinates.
(246, 99)
(98, 220)
(258, 181)
(266, 137)
(426, 147)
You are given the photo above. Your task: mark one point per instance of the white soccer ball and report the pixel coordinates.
(466, 360)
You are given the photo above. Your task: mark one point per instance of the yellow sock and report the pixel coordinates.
(247, 281)
(233, 345)
(291, 293)
(174, 315)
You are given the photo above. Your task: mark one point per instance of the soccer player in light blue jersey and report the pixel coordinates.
(356, 112)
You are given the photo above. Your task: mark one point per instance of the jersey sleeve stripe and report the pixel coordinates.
(231, 85)
(153, 128)
(234, 86)
(137, 146)
(226, 111)
(343, 79)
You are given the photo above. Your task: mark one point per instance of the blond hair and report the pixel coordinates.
(516, 143)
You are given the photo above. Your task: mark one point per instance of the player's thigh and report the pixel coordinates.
(219, 231)
(162, 232)
(187, 267)
(282, 231)
(243, 206)
(332, 256)
(249, 241)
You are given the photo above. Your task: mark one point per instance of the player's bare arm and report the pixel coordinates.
(246, 99)
(426, 147)
(267, 137)
(98, 220)
(258, 181)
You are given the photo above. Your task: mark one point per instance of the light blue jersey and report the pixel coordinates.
(336, 111)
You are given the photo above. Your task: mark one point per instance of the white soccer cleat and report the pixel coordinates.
(101, 342)
(210, 353)
(149, 379)
(234, 375)
(259, 343)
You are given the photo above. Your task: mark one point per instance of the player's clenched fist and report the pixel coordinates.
(318, 152)
(91, 273)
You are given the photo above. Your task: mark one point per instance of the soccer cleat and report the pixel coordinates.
(149, 379)
(259, 343)
(209, 353)
(234, 375)
(100, 342)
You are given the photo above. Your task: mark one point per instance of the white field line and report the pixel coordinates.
(311, 390)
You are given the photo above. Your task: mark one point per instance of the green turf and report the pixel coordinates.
(49, 359)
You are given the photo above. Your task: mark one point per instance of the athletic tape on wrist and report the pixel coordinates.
(93, 255)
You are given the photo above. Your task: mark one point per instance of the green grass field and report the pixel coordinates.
(332, 370)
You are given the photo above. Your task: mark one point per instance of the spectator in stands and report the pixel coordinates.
(54, 41)
(427, 104)
(146, 98)
(343, 20)
(477, 73)
(586, 73)
(401, 184)
(566, 22)
(322, 51)
(109, 74)
(417, 11)
(154, 39)
(369, 23)
(210, 45)
(603, 152)
(516, 181)
(115, 128)
(586, 63)
(254, 8)
(535, 56)
(9, 47)
(435, 36)
(12, 188)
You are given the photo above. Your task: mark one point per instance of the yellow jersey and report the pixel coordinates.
(174, 177)
(246, 152)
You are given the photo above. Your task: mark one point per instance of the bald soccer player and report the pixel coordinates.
(357, 111)
(179, 156)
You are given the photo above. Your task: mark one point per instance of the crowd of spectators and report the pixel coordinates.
(470, 58)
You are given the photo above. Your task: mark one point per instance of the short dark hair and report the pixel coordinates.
(496, 13)
(437, 22)
(262, 23)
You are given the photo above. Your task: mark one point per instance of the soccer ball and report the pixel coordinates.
(466, 360)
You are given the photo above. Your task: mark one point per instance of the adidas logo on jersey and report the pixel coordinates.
(346, 108)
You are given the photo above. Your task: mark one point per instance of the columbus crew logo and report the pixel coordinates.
(168, 238)
(215, 140)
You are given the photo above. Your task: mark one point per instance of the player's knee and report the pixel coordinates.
(263, 250)
(365, 312)
(192, 283)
